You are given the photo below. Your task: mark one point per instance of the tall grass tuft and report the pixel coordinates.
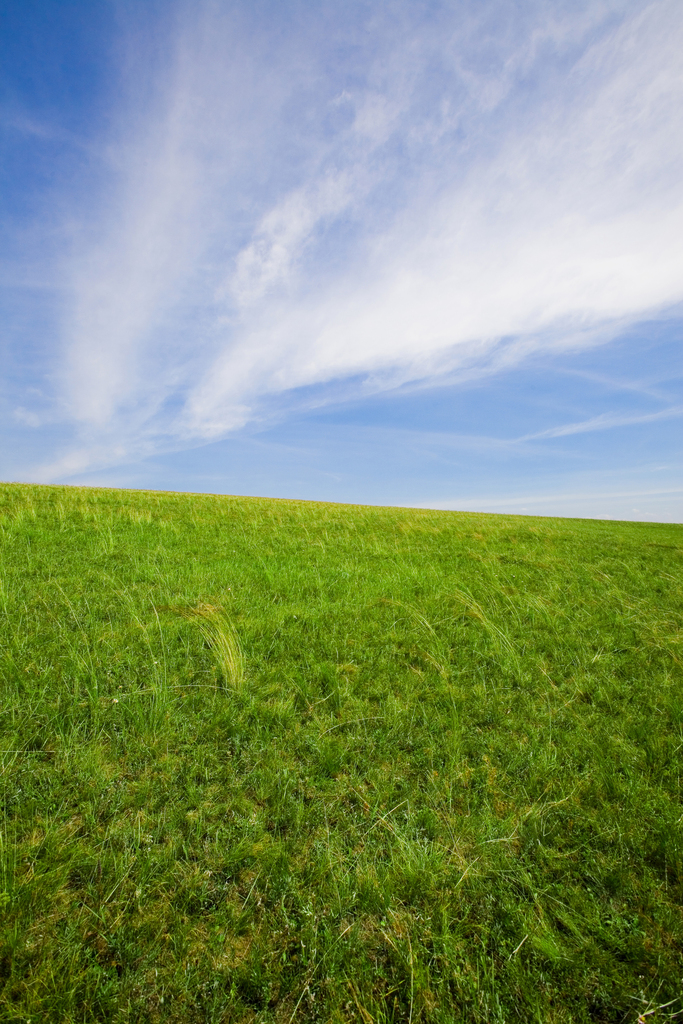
(221, 636)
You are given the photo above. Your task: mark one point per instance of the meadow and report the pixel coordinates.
(284, 761)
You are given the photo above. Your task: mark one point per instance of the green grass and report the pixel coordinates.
(286, 761)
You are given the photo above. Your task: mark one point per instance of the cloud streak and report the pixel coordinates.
(379, 197)
(606, 421)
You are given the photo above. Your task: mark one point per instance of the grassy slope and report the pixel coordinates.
(446, 787)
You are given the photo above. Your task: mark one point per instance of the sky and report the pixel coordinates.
(413, 253)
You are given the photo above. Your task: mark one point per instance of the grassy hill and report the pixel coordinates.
(285, 761)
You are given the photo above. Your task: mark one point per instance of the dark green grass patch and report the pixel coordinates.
(282, 761)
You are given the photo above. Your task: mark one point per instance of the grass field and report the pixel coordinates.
(285, 761)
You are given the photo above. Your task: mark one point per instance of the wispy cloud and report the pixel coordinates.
(606, 421)
(566, 498)
(589, 503)
(380, 196)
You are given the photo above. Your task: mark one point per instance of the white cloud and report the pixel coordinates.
(271, 256)
(27, 417)
(606, 421)
(593, 502)
(450, 196)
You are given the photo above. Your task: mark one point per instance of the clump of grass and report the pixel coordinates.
(222, 637)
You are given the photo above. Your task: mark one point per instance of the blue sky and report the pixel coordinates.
(419, 253)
